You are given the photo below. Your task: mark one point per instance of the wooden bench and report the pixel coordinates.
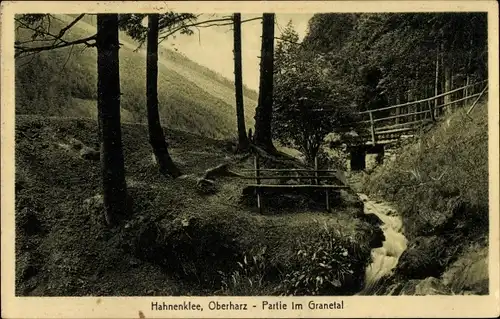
(314, 177)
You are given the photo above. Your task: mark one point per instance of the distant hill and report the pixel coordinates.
(64, 83)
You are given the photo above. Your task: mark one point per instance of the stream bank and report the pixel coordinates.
(387, 274)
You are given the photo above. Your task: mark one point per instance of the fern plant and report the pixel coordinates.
(323, 268)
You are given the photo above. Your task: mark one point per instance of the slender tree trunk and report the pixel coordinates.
(416, 96)
(436, 84)
(409, 107)
(442, 78)
(467, 81)
(108, 104)
(447, 87)
(453, 96)
(156, 136)
(308, 147)
(263, 114)
(238, 83)
(398, 109)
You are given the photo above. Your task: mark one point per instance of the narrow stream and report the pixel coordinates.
(385, 258)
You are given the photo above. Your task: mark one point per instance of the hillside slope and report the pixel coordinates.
(440, 187)
(178, 239)
(64, 83)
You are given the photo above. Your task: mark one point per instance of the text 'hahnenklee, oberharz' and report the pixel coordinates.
(235, 306)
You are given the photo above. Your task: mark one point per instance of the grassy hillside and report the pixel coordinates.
(184, 62)
(179, 239)
(440, 187)
(191, 97)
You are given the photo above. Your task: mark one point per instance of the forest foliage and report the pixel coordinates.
(395, 53)
(351, 62)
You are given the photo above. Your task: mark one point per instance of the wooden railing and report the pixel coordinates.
(390, 123)
(315, 176)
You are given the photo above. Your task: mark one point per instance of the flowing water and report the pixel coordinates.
(385, 258)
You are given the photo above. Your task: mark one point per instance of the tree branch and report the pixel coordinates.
(66, 28)
(47, 32)
(205, 24)
(36, 30)
(20, 50)
(186, 26)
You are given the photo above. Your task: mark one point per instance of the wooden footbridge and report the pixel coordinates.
(389, 124)
(374, 130)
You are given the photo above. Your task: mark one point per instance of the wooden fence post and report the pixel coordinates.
(327, 200)
(477, 100)
(372, 127)
(431, 111)
(257, 175)
(316, 170)
(417, 110)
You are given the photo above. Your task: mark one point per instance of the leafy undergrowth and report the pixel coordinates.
(178, 240)
(440, 187)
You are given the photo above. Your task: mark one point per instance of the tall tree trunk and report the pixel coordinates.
(467, 80)
(416, 107)
(436, 84)
(447, 88)
(263, 112)
(442, 88)
(409, 107)
(398, 109)
(238, 83)
(108, 104)
(156, 136)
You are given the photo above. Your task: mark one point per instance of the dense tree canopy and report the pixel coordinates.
(351, 62)
(304, 83)
(393, 53)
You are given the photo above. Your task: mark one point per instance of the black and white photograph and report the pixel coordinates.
(167, 153)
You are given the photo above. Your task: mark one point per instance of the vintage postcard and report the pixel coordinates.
(249, 159)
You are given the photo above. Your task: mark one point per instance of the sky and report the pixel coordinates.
(213, 47)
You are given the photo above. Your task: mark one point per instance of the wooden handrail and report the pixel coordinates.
(399, 130)
(316, 177)
(289, 170)
(297, 186)
(390, 117)
(401, 115)
(287, 177)
(408, 129)
(420, 101)
(407, 103)
(416, 113)
(402, 124)
(459, 100)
